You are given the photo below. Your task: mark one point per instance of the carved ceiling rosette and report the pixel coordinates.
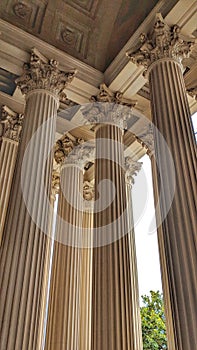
(163, 42)
(22, 10)
(42, 73)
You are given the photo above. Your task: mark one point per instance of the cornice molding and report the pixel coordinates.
(25, 42)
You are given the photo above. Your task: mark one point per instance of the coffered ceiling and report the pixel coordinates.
(93, 31)
(91, 36)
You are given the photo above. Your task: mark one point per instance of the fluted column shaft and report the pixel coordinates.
(8, 154)
(171, 116)
(64, 302)
(23, 245)
(163, 261)
(111, 307)
(135, 309)
(86, 283)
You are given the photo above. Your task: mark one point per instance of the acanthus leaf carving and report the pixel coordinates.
(146, 139)
(132, 167)
(81, 155)
(163, 42)
(64, 146)
(11, 124)
(109, 107)
(42, 73)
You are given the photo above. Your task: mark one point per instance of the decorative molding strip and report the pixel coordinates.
(26, 41)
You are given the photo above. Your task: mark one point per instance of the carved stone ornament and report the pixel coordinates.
(55, 182)
(146, 139)
(132, 167)
(42, 73)
(81, 155)
(106, 95)
(11, 124)
(193, 92)
(64, 146)
(88, 190)
(21, 10)
(63, 99)
(162, 42)
(108, 107)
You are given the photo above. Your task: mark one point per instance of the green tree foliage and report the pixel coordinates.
(153, 322)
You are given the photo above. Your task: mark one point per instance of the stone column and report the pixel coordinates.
(146, 139)
(64, 319)
(23, 246)
(10, 129)
(86, 267)
(161, 53)
(55, 186)
(112, 324)
(132, 167)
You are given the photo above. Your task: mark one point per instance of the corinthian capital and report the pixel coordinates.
(132, 167)
(42, 73)
(163, 42)
(108, 107)
(11, 124)
(106, 95)
(64, 146)
(146, 139)
(81, 155)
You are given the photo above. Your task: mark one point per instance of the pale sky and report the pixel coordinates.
(146, 244)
